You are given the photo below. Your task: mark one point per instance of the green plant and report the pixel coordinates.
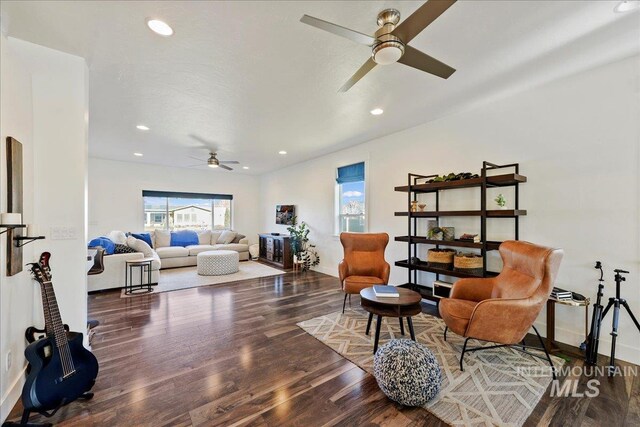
(500, 200)
(304, 251)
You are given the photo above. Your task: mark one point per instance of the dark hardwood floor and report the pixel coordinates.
(232, 355)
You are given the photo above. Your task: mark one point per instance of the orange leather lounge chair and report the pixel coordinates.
(502, 309)
(363, 265)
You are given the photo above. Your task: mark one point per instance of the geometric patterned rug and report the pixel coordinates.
(490, 392)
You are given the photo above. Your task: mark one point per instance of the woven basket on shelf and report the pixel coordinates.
(440, 258)
(468, 263)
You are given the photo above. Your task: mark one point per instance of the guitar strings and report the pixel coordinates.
(60, 335)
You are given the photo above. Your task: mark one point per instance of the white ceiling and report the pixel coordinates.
(253, 80)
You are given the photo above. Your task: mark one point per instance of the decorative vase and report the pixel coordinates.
(414, 206)
(422, 206)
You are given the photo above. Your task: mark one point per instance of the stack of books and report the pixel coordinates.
(561, 294)
(386, 291)
(474, 238)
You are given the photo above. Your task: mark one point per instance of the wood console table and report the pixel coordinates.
(276, 250)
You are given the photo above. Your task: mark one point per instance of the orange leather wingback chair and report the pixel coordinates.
(502, 309)
(363, 265)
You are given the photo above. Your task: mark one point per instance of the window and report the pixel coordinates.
(350, 199)
(186, 211)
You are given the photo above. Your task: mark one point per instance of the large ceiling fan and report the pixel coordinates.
(213, 162)
(390, 43)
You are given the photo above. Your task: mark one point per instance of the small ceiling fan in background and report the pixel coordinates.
(390, 42)
(212, 161)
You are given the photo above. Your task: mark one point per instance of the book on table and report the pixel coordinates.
(386, 291)
(561, 294)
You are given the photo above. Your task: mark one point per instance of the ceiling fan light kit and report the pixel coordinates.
(389, 43)
(388, 48)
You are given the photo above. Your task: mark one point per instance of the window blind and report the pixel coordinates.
(148, 193)
(351, 173)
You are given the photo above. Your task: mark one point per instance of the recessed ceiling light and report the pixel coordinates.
(282, 152)
(377, 111)
(626, 6)
(245, 167)
(142, 127)
(160, 27)
(138, 154)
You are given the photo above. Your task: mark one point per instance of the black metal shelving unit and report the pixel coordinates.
(416, 184)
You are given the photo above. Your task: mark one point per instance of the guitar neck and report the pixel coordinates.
(55, 326)
(47, 313)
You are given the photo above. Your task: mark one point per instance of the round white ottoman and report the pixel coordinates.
(217, 263)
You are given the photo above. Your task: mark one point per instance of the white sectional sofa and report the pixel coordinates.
(165, 256)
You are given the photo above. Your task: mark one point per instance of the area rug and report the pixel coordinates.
(173, 279)
(491, 390)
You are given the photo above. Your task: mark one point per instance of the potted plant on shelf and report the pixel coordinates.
(501, 201)
(304, 252)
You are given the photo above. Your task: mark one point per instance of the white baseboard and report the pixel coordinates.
(12, 395)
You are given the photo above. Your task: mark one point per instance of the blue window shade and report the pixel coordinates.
(351, 173)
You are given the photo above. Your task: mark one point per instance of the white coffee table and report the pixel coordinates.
(217, 263)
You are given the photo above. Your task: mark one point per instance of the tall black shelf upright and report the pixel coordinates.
(416, 184)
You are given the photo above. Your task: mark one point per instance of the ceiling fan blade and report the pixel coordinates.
(366, 67)
(421, 61)
(420, 19)
(197, 158)
(338, 30)
(225, 167)
(196, 165)
(229, 162)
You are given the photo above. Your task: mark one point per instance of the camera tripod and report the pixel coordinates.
(615, 302)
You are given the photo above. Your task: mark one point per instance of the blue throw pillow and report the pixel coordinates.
(184, 238)
(106, 243)
(146, 237)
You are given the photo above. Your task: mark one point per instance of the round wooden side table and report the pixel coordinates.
(404, 306)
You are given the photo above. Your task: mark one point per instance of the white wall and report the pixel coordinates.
(17, 293)
(576, 139)
(116, 194)
(44, 105)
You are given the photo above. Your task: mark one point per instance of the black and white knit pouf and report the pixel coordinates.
(407, 372)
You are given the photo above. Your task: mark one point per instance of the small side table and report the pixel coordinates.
(405, 306)
(144, 265)
(551, 321)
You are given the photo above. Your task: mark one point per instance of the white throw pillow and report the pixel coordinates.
(140, 246)
(227, 237)
(163, 238)
(215, 236)
(118, 237)
(204, 237)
